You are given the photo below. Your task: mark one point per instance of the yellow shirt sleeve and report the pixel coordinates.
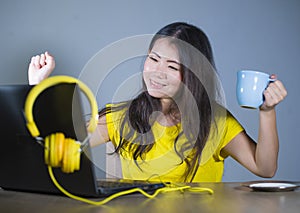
(113, 125)
(232, 129)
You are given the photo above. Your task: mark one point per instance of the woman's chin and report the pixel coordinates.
(158, 94)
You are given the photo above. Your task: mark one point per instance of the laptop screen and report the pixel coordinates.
(57, 109)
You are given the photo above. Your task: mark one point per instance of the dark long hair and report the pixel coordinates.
(194, 102)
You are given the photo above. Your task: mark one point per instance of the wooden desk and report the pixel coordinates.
(227, 197)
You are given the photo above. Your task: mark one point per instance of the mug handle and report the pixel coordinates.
(272, 79)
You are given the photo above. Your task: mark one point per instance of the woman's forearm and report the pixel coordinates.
(268, 143)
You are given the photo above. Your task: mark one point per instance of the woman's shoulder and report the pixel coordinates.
(115, 111)
(114, 107)
(220, 112)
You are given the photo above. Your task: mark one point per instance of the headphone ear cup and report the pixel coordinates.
(71, 156)
(54, 148)
(47, 150)
(65, 167)
(58, 142)
(52, 145)
(77, 155)
(62, 152)
(50, 157)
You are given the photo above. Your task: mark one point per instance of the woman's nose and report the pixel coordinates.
(161, 70)
(161, 66)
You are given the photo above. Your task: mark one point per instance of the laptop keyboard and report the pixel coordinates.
(108, 186)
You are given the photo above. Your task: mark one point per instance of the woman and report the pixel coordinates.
(176, 129)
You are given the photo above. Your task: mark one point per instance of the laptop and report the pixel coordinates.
(22, 158)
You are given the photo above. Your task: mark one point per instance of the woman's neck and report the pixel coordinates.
(170, 114)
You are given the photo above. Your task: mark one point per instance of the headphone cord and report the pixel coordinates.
(168, 188)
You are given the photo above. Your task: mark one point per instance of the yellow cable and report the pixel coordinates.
(167, 188)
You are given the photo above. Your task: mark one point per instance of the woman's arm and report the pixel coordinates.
(100, 135)
(261, 157)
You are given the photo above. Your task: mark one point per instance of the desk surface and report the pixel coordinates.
(227, 197)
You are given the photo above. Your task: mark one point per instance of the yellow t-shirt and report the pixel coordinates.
(163, 163)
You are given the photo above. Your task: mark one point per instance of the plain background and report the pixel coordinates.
(258, 34)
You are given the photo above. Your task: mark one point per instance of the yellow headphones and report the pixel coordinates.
(60, 151)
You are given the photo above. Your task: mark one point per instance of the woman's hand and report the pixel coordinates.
(40, 68)
(274, 94)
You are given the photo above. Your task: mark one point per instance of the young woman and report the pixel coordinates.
(177, 129)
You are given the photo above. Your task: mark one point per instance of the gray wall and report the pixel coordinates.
(257, 34)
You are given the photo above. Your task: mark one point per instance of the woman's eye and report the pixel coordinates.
(153, 58)
(174, 68)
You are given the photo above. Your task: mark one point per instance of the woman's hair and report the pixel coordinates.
(194, 102)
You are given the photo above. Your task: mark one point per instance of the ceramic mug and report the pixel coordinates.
(250, 87)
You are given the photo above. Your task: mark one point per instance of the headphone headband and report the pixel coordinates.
(49, 82)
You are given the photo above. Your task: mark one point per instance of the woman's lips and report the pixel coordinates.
(156, 85)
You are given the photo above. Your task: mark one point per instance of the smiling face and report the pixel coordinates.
(161, 73)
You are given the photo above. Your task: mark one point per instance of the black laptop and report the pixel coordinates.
(22, 158)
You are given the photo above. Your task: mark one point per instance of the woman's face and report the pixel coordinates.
(162, 74)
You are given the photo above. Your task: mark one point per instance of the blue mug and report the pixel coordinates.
(250, 87)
